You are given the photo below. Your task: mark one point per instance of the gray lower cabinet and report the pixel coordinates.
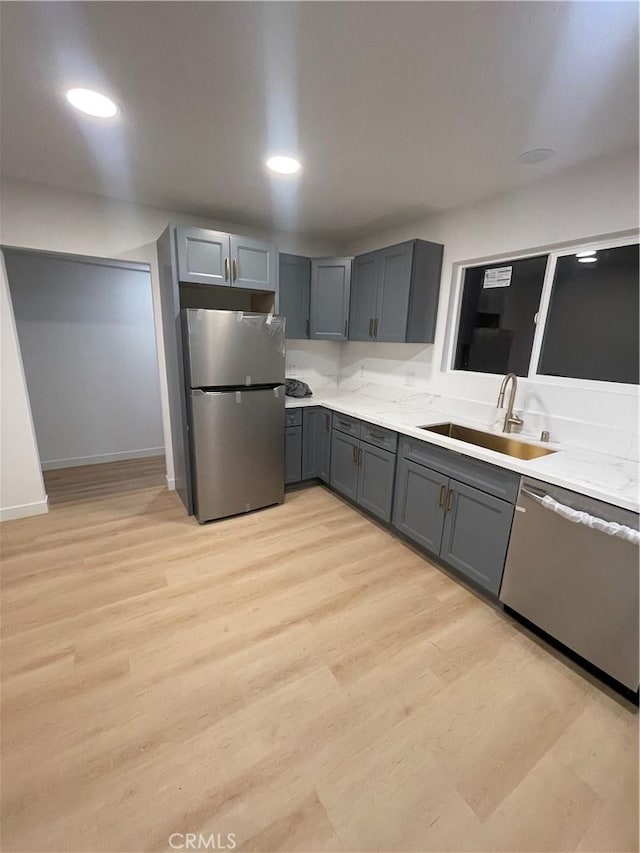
(316, 443)
(253, 264)
(292, 454)
(395, 293)
(476, 534)
(363, 472)
(344, 464)
(418, 510)
(467, 528)
(293, 288)
(330, 293)
(376, 472)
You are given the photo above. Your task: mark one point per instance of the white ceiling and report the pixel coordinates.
(396, 109)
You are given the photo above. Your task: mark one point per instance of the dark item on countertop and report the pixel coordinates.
(296, 388)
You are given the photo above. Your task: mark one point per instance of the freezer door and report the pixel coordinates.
(233, 348)
(238, 450)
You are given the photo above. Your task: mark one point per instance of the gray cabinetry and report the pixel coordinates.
(363, 471)
(476, 534)
(316, 443)
(294, 285)
(344, 463)
(418, 510)
(376, 470)
(253, 264)
(395, 293)
(467, 527)
(203, 256)
(213, 257)
(292, 454)
(330, 289)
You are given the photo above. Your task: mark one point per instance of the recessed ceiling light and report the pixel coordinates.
(283, 165)
(588, 254)
(536, 155)
(587, 260)
(92, 103)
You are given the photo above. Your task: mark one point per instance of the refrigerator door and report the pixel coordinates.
(238, 450)
(233, 348)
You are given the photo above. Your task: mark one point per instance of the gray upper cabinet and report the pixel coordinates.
(375, 479)
(253, 264)
(476, 534)
(203, 256)
(419, 505)
(344, 464)
(330, 290)
(395, 293)
(364, 296)
(213, 257)
(294, 285)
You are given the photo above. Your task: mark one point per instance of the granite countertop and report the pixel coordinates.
(601, 476)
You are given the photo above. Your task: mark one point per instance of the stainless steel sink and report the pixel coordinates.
(500, 443)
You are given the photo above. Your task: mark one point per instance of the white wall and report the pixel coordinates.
(590, 200)
(35, 216)
(21, 486)
(89, 352)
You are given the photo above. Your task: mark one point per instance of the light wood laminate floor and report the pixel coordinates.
(297, 677)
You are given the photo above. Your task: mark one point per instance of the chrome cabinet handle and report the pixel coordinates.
(226, 269)
(443, 490)
(448, 509)
(235, 269)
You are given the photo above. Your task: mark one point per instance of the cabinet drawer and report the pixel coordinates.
(293, 417)
(481, 475)
(344, 423)
(385, 438)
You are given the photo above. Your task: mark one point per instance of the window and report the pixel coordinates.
(566, 314)
(592, 322)
(497, 319)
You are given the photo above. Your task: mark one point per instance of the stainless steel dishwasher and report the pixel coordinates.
(572, 571)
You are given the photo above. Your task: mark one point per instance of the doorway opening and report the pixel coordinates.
(87, 338)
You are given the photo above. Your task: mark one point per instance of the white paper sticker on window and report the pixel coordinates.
(499, 277)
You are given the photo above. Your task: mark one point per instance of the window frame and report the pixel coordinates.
(459, 270)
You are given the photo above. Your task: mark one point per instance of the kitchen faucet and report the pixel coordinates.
(510, 420)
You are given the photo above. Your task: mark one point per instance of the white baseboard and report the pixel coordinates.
(9, 513)
(171, 483)
(52, 464)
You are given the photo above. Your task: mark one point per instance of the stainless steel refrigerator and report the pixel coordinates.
(235, 377)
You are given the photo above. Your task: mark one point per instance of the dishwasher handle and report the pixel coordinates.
(611, 528)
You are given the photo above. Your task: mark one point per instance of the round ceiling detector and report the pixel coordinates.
(536, 155)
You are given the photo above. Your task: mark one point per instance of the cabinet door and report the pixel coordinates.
(344, 468)
(324, 445)
(418, 509)
(376, 470)
(293, 454)
(330, 289)
(311, 424)
(476, 534)
(393, 295)
(203, 256)
(253, 264)
(293, 288)
(364, 297)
